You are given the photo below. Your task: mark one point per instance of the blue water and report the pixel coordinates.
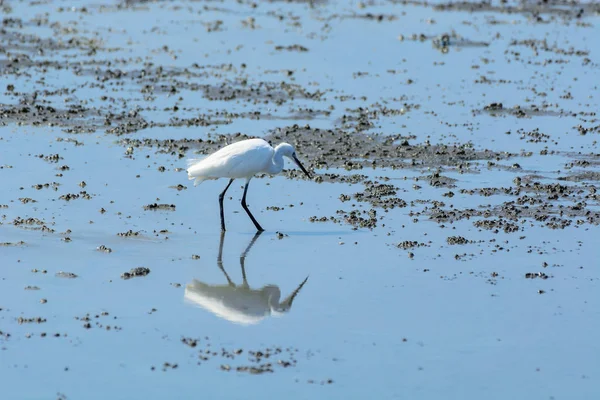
(370, 322)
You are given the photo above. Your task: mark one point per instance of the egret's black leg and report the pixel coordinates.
(256, 224)
(221, 196)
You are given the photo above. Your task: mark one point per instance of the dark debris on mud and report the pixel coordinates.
(251, 361)
(156, 206)
(135, 272)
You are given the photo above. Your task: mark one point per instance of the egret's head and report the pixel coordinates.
(286, 149)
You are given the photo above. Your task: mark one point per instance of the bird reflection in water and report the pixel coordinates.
(239, 303)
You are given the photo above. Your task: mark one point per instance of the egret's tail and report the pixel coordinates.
(197, 180)
(190, 163)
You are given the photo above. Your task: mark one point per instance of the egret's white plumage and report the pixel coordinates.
(238, 160)
(242, 159)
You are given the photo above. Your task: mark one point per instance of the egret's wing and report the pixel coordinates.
(217, 165)
(251, 161)
(238, 160)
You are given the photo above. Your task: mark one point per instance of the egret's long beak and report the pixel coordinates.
(301, 167)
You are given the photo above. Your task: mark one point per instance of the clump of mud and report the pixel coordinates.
(135, 272)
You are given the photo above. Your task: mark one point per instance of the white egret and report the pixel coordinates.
(242, 159)
(239, 303)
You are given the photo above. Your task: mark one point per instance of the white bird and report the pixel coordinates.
(239, 303)
(242, 159)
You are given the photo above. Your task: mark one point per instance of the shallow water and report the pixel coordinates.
(431, 319)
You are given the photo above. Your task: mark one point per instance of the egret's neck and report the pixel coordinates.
(277, 163)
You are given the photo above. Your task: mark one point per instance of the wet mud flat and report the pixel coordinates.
(449, 235)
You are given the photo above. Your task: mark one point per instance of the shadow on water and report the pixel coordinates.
(239, 304)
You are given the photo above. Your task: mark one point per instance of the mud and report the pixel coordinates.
(135, 272)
